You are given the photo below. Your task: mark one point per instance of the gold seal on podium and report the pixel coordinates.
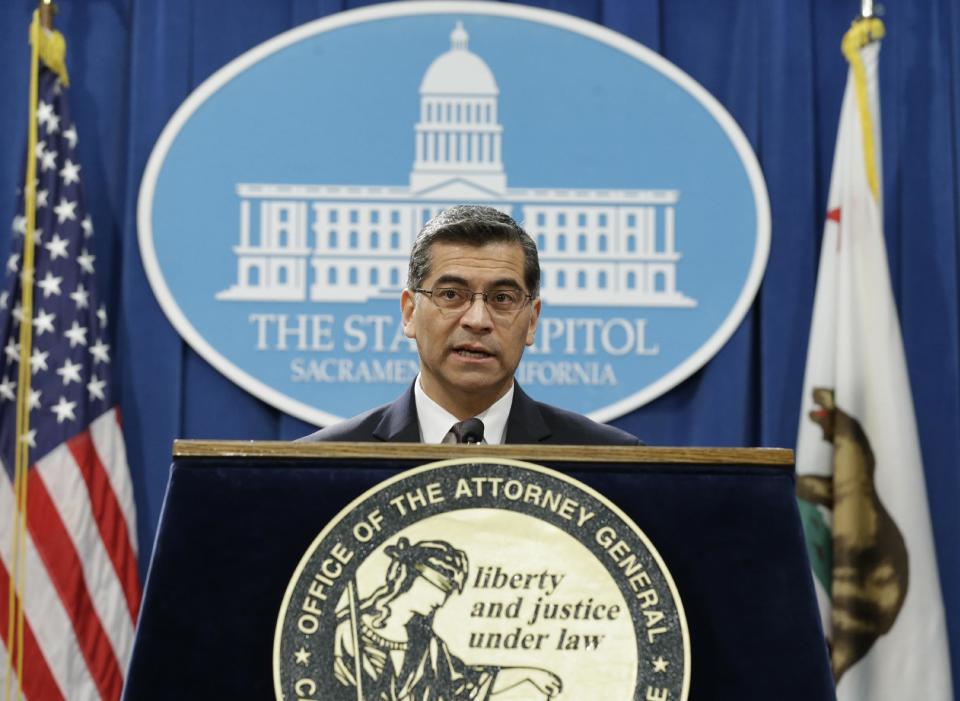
(481, 579)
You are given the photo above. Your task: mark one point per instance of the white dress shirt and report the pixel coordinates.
(435, 421)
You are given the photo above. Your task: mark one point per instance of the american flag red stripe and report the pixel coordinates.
(107, 435)
(64, 567)
(103, 651)
(64, 480)
(38, 679)
(109, 518)
(46, 615)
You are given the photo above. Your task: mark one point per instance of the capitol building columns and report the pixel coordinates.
(458, 133)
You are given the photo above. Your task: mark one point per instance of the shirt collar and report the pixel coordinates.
(435, 421)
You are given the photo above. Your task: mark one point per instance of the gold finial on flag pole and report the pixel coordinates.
(52, 46)
(865, 31)
(47, 12)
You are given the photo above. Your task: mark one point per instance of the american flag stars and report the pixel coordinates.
(85, 261)
(76, 334)
(33, 401)
(70, 372)
(66, 210)
(47, 118)
(57, 247)
(68, 324)
(30, 438)
(50, 284)
(70, 173)
(12, 351)
(100, 352)
(80, 297)
(38, 360)
(71, 136)
(43, 322)
(48, 161)
(64, 410)
(96, 387)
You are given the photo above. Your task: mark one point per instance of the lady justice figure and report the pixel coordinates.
(401, 657)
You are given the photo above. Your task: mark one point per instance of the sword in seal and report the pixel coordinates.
(355, 632)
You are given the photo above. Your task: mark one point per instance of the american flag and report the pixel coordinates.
(81, 590)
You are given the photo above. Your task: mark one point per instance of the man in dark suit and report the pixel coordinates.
(471, 304)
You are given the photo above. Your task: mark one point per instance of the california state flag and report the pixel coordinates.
(860, 469)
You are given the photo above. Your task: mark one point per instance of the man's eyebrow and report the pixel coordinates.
(451, 280)
(462, 282)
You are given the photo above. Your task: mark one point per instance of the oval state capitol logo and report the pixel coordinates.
(481, 579)
(280, 204)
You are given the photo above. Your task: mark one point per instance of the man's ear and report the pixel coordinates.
(534, 316)
(407, 308)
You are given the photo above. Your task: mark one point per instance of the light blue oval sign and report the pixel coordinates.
(279, 205)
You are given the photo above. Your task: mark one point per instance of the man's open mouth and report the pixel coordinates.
(472, 353)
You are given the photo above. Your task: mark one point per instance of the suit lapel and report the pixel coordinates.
(525, 424)
(399, 422)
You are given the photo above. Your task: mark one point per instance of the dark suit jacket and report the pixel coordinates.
(529, 422)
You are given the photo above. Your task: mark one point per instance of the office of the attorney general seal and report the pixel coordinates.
(481, 579)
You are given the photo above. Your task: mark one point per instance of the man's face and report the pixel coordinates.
(468, 357)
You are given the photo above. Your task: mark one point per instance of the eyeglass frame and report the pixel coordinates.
(473, 296)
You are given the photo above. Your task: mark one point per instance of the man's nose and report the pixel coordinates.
(477, 315)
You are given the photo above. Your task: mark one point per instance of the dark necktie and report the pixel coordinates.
(469, 431)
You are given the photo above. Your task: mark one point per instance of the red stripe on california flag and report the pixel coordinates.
(109, 517)
(38, 681)
(56, 549)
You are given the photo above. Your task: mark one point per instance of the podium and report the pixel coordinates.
(239, 516)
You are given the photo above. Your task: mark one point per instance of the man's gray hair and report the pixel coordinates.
(472, 225)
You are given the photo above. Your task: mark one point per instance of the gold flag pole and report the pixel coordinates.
(14, 609)
(40, 28)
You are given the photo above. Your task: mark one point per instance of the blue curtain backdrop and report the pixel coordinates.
(775, 65)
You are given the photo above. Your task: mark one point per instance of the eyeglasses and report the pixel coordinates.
(457, 299)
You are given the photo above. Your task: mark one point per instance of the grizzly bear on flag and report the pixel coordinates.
(870, 572)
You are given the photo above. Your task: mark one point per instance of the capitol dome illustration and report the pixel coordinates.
(459, 71)
(350, 243)
(458, 133)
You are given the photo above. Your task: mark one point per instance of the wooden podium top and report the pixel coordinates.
(762, 457)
